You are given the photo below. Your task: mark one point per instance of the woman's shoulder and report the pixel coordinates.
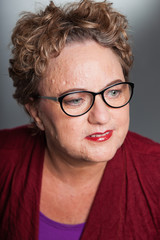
(143, 160)
(15, 137)
(142, 145)
(19, 151)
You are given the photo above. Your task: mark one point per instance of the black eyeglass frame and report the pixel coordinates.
(60, 99)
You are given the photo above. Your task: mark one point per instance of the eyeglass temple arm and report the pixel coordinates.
(51, 98)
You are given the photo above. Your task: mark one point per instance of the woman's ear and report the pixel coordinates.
(33, 112)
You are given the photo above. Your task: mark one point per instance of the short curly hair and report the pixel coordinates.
(38, 37)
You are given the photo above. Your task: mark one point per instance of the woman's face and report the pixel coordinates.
(96, 135)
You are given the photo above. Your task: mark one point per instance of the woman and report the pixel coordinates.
(76, 172)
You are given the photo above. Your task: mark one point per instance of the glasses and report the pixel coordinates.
(77, 103)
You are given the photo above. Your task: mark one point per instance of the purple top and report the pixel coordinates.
(50, 230)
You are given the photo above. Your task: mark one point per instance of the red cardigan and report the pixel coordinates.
(127, 203)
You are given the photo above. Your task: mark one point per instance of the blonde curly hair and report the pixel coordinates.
(38, 37)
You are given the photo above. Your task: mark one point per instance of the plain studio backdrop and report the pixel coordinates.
(144, 22)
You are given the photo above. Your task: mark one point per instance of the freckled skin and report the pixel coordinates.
(91, 67)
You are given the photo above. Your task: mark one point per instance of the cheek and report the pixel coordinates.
(121, 124)
(122, 119)
(48, 118)
(60, 127)
(70, 130)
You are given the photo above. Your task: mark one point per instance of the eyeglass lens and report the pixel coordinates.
(117, 95)
(77, 103)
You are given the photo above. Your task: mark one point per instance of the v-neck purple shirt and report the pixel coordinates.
(51, 230)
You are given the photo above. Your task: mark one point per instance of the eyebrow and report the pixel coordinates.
(83, 89)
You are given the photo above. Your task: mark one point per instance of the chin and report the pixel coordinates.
(99, 158)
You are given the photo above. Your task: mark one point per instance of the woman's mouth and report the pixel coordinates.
(100, 137)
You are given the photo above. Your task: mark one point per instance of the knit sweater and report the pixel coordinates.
(126, 205)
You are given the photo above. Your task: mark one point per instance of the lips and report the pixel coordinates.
(100, 137)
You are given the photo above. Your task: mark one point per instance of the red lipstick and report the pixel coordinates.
(100, 137)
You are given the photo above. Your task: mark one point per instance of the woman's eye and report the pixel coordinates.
(74, 102)
(114, 93)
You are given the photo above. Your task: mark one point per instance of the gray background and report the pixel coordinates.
(144, 19)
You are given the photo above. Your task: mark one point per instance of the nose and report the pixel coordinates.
(100, 112)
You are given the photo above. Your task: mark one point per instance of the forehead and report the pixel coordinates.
(80, 66)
